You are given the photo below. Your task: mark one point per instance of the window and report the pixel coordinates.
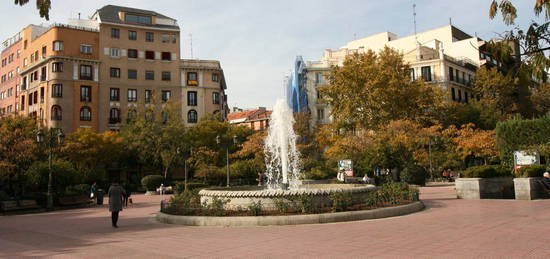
(463, 78)
(115, 33)
(25, 62)
(132, 95)
(85, 113)
(426, 74)
(320, 114)
(85, 49)
(192, 79)
(57, 45)
(166, 76)
(148, 95)
(57, 67)
(459, 95)
(23, 103)
(132, 53)
(131, 116)
(466, 97)
(165, 117)
(56, 113)
(216, 98)
(453, 94)
(115, 52)
(43, 72)
(85, 72)
(41, 94)
(166, 56)
(192, 116)
(132, 74)
(192, 98)
(115, 72)
(167, 38)
(149, 75)
(114, 94)
(36, 55)
(149, 55)
(451, 74)
(43, 52)
(215, 77)
(166, 96)
(134, 18)
(149, 37)
(411, 73)
(132, 35)
(85, 93)
(114, 116)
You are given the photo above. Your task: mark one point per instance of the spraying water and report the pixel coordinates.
(281, 155)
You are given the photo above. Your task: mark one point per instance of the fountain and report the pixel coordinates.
(283, 173)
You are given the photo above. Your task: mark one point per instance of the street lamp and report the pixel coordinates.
(219, 142)
(185, 157)
(59, 140)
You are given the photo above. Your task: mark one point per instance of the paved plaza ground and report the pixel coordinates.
(448, 228)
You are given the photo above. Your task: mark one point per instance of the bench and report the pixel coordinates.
(73, 200)
(18, 205)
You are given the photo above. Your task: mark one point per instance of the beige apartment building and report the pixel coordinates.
(204, 87)
(446, 57)
(100, 72)
(140, 53)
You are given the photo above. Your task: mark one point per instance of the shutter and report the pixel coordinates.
(157, 55)
(106, 51)
(174, 56)
(123, 53)
(141, 54)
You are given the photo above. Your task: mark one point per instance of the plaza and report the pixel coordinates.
(447, 228)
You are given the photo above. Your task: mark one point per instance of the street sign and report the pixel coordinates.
(346, 166)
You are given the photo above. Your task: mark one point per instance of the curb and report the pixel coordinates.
(290, 220)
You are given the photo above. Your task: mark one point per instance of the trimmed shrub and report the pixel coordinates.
(414, 174)
(255, 208)
(281, 204)
(392, 193)
(487, 171)
(341, 201)
(151, 182)
(519, 134)
(531, 171)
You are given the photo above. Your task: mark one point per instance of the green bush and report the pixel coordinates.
(185, 203)
(341, 201)
(77, 190)
(305, 203)
(281, 204)
(216, 206)
(521, 134)
(392, 193)
(487, 171)
(152, 182)
(255, 208)
(63, 174)
(245, 170)
(531, 171)
(414, 174)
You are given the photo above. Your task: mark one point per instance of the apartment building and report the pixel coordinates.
(100, 72)
(9, 74)
(445, 57)
(139, 52)
(60, 76)
(256, 119)
(204, 88)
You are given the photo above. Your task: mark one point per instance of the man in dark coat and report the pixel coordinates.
(116, 197)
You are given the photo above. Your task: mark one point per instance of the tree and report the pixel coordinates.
(18, 148)
(371, 89)
(43, 7)
(156, 139)
(476, 143)
(534, 40)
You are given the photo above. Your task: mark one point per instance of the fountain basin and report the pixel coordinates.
(243, 197)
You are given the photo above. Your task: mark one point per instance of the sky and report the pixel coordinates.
(257, 41)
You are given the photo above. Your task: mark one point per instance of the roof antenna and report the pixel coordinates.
(191, 45)
(79, 16)
(450, 21)
(414, 20)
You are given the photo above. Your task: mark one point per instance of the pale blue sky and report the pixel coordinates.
(257, 40)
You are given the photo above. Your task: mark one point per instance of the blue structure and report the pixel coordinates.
(296, 87)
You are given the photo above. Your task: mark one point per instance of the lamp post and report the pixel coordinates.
(59, 140)
(219, 141)
(185, 157)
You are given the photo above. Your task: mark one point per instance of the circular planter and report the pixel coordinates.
(290, 220)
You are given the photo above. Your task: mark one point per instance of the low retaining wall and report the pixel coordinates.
(527, 188)
(290, 220)
(484, 188)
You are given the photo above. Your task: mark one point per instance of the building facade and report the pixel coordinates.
(445, 57)
(257, 119)
(100, 72)
(9, 72)
(203, 92)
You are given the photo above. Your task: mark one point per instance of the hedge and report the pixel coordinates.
(487, 171)
(519, 134)
(414, 174)
(531, 171)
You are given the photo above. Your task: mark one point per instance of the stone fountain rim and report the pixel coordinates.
(282, 193)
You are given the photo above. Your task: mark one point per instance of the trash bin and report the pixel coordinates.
(100, 193)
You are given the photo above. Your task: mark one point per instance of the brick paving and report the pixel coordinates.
(448, 228)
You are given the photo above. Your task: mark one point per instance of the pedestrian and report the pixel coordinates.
(93, 192)
(128, 193)
(116, 195)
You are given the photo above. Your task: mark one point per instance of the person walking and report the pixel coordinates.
(93, 192)
(116, 197)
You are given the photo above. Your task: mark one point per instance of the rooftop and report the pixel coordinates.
(110, 14)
